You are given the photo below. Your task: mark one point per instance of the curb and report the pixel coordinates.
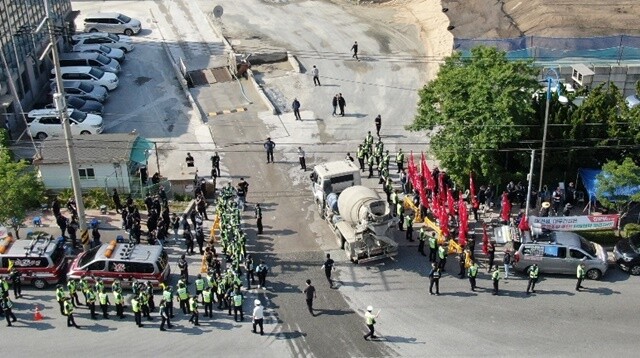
(261, 93)
(293, 61)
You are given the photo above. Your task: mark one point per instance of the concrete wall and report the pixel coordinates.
(58, 177)
(623, 76)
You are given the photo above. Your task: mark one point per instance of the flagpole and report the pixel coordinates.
(530, 180)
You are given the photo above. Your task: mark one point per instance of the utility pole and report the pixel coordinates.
(529, 185)
(61, 106)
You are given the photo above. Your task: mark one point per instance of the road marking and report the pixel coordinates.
(228, 111)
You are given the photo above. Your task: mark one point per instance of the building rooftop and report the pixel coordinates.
(89, 149)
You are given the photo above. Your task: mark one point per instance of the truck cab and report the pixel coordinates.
(332, 178)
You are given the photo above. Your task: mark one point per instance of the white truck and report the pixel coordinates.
(359, 218)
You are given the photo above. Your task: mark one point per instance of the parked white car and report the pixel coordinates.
(112, 22)
(121, 42)
(110, 52)
(632, 101)
(43, 123)
(88, 74)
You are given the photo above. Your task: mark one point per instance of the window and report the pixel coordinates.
(130, 267)
(575, 254)
(50, 120)
(555, 251)
(96, 266)
(87, 173)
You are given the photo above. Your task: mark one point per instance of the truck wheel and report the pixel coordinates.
(39, 283)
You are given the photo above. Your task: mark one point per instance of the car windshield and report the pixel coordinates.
(85, 87)
(75, 102)
(587, 246)
(634, 242)
(96, 73)
(105, 49)
(113, 37)
(78, 116)
(103, 59)
(88, 256)
(124, 18)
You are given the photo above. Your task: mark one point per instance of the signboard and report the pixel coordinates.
(577, 223)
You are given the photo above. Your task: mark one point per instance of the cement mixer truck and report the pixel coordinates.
(359, 218)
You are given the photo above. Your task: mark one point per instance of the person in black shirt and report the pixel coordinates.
(215, 165)
(328, 266)
(310, 292)
(189, 160)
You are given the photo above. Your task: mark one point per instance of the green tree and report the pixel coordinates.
(475, 107)
(20, 190)
(616, 176)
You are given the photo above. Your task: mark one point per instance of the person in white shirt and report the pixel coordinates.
(303, 163)
(315, 72)
(258, 317)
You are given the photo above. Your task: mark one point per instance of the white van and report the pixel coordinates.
(91, 59)
(88, 74)
(112, 22)
(102, 38)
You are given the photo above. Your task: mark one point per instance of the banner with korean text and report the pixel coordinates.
(577, 223)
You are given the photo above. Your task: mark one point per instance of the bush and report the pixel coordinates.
(631, 229)
(604, 238)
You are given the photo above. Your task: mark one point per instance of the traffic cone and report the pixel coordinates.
(37, 316)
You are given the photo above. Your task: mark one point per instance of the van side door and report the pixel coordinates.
(554, 259)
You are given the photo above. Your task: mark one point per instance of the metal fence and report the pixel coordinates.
(617, 48)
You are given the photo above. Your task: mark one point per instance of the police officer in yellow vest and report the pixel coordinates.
(408, 225)
(400, 160)
(60, 298)
(183, 297)
(164, 315)
(207, 300)
(360, 156)
(193, 306)
(103, 297)
(533, 278)
(136, 308)
(72, 287)
(83, 284)
(395, 199)
(580, 273)
(199, 283)
(473, 273)
(370, 320)
(400, 214)
(6, 305)
(442, 257)
(167, 296)
(422, 236)
(91, 302)
(68, 311)
(495, 277)
(237, 300)
(433, 247)
(371, 161)
(119, 302)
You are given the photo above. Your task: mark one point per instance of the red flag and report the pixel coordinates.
(485, 239)
(444, 222)
(505, 211)
(442, 189)
(435, 207)
(426, 173)
(412, 171)
(450, 203)
(424, 201)
(472, 188)
(524, 224)
(464, 217)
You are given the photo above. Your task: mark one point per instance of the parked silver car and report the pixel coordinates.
(562, 254)
(111, 22)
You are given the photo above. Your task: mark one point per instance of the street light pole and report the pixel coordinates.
(529, 185)
(61, 106)
(544, 133)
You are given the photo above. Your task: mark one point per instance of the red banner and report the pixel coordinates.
(472, 189)
(505, 211)
(464, 222)
(426, 173)
(485, 239)
(412, 176)
(450, 203)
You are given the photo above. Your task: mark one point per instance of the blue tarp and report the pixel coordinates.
(590, 181)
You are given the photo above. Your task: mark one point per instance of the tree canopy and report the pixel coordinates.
(614, 177)
(20, 190)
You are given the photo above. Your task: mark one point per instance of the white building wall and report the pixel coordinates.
(58, 177)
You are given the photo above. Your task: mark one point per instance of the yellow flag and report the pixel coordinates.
(10, 265)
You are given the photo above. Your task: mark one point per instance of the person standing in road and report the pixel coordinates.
(238, 300)
(207, 302)
(164, 315)
(167, 296)
(184, 269)
(310, 293)
(422, 237)
(215, 165)
(491, 251)
(137, 311)
(68, 311)
(60, 296)
(258, 317)
(269, 145)
(442, 257)
(116, 200)
(341, 103)
(408, 225)
(193, 307)
(91, 302)
(261, 271)
(328, 267)
(189, 160)
(301, 158)
(400, 160)
(354, 48)
(462, 259)
(16, 282)
(360, 156)
(433, 247)
(580, 273)
(258, 211)
(103, 297)
(370, 320)
(434, 279)
(495, 277)
(315, 72)
(119, 302)
(296, 109)
(473, 273)
(533, 278)
(506, 260)
(7, 306)
(378, 122)
(334, 103)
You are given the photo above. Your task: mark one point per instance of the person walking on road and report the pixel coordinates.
(301, 158)
(422, 237)
(164, 315)
(215, 165)
(378, 122)
(408, 225)
(442, 257)
(533, 278)
(341, 103)
(315, 72)
(506, 260)
(354, 48)
(328, 267)
(116, 200)
(296, 109)
(473, 273)
(370, 320)
(491, 251)
(434, 279)
(334, 103)
(580, 273)
(258, 317)
(269, 145)
(68, 311)
(189, 160)
(310, 293)
(258, 211)
(433, 247)
(7, 307)
(495, 277)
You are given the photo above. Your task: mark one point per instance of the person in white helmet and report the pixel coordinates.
(258, 317)
(370, 320)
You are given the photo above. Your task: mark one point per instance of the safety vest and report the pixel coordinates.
(533, 272)
(182, 293)
(99, 286)
(104, 299)
(135, 305)
(370, 318)
(580, 272)
(394, 198)
(193, 305)
(167, 295)
(399, 210)
(371, 161)
(432, 242)
(237, 300)
(423, 234)
(400, 157)
(360, 153)
(118, 298)
(84, 285)
(441, 253)
(59, 294)
(495, 275)
(91, 297)
(369, 138)
(68, 308)
(473, 270)
(206, 295)
(199, 284)
(8, 303)
(71, 285)
(408, 221)
(385, 160)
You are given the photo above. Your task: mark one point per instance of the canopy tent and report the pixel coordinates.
(590, 182)
(140, 150)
